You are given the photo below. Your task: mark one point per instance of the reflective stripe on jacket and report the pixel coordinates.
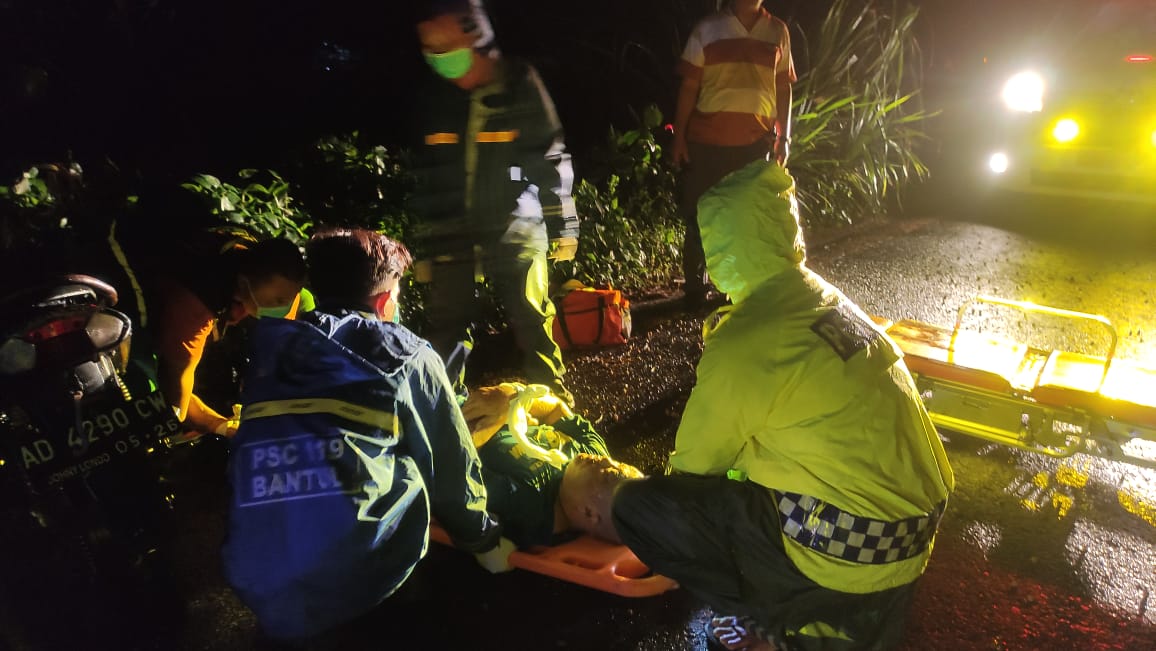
(492, 156)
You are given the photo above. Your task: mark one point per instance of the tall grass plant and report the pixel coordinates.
(857, 114)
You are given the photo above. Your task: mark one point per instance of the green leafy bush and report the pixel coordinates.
(36, 207)
(857, 119)
(342, 179)
(631, 233)
(265, 208)
(345, 179)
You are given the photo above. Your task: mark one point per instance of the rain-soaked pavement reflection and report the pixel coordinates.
(1067, 547)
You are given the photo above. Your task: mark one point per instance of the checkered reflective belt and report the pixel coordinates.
(835, 532)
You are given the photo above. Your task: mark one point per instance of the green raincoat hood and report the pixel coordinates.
(750, 228)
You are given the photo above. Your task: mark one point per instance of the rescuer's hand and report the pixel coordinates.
(227, 427)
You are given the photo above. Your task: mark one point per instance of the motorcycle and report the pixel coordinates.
(83, 511)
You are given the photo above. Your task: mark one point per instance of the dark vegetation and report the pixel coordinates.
(285, 116)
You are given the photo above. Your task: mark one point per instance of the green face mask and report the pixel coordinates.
(453, 64)
(273, 312)
(276, 312)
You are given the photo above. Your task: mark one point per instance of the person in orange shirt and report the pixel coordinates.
(189, 289)
(262, 279)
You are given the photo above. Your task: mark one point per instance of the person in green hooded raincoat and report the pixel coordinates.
(807, 480)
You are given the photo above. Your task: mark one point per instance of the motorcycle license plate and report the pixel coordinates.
(103, 435)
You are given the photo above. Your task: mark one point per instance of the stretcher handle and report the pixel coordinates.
(1029, 307)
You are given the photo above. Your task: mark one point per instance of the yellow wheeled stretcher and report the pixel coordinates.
(1048, 401)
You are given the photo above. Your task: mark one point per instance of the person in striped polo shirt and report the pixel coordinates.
(734, 106)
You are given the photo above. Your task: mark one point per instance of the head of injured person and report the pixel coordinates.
(587, 493)
(750, 228)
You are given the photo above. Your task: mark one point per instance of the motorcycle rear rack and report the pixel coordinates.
(62, 291)
(1052, 402)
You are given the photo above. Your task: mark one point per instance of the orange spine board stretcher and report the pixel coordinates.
(585, 561)
(1049, 401)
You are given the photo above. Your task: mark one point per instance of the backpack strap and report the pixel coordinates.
(560, 317)
(601, 318)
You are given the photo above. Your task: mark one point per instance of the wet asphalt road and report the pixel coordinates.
(1034, 553)
(1039, 553)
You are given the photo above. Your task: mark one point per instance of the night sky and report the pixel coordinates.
(186, 86)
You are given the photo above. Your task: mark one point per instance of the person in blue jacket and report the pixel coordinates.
(350, 441)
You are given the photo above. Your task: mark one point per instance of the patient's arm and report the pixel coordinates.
(486, 411)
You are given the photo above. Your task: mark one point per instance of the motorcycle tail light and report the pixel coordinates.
(64, 350)
(56, 328)
(67, 341)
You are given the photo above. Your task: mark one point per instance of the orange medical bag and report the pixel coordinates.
(591, 316)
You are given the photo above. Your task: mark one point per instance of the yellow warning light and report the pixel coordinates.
(1066, 130)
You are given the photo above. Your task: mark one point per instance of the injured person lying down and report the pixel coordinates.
(548, 474)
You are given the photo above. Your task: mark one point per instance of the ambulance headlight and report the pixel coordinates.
(998, 163)
(1024, 92)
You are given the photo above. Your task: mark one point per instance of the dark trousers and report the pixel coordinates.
(708, 165)
(721, 540)
(521, 283)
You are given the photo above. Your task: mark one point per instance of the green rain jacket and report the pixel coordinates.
(491, 164)
(799, 389)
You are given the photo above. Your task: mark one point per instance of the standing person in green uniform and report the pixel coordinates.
(807, 478)
(493, 197)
